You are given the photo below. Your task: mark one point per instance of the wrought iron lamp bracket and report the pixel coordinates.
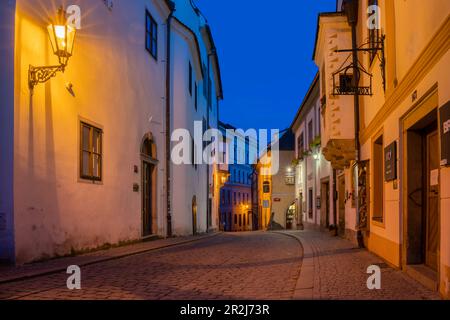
(38, 75)
(379, 50)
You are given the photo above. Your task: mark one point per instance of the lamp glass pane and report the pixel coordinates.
(60, 39)
(71, 31)
(51, 36)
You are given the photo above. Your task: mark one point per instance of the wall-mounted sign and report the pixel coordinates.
(434, 178)
(290, 180)
(277, 200)
(318, 202)
(390, 162)
(445, 134)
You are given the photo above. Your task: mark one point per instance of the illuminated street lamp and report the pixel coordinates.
(62, 38)
(316, 154)
(224, 179)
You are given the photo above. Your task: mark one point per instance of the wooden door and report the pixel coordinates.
(300, 209)
(325, 205)
(432, 207)
(147, 205)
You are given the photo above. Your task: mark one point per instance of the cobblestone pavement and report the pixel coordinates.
(238, 266)
(339, 272)
(229, 266)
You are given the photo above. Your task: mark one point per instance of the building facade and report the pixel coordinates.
(393, 119)
(314, 176)
(276, 184)
(236, 194)
(86, 155)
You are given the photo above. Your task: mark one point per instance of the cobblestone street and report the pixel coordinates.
(234, 266)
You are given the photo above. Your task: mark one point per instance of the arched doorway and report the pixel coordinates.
(290, 216)
(149, 164)
(194, 215)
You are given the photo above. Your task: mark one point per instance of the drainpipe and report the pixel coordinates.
(168, 118)
(351, 9)
(208, 211)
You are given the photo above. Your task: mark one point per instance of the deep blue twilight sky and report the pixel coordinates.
(265, 49)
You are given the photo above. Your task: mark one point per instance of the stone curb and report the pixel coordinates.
(305, 283)
(95, 260)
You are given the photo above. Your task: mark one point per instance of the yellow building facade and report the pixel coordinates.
(264, 191)
(403, 177)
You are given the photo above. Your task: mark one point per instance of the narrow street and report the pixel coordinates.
(236, 266)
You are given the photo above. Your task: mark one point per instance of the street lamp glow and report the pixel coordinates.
(62, 38)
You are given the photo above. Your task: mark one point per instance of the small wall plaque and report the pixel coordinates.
(390, 162)
(136, 187)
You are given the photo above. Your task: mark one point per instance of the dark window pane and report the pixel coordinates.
(148, 41)
(85, 138)
(96, 141)
(96, 172)
(85, 164)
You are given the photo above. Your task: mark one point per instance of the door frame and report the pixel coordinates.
(427, 137)
(152, 161)
(151, 207)
(325, 201)
(338, 222)
(424, 106)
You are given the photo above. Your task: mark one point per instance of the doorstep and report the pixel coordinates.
(37, 269)
(424, 275)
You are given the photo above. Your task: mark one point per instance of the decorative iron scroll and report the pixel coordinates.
(363, 194)
(346, 83)
(350, 91)
(42, 74)
(344, 80)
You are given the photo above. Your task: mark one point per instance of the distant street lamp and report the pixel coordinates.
(316, 153)
(62, 38)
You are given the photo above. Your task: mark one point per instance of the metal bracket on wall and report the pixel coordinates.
(345, 88)
(38, 75)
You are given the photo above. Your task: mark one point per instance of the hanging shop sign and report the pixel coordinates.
(445, 134)
(390, 162)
